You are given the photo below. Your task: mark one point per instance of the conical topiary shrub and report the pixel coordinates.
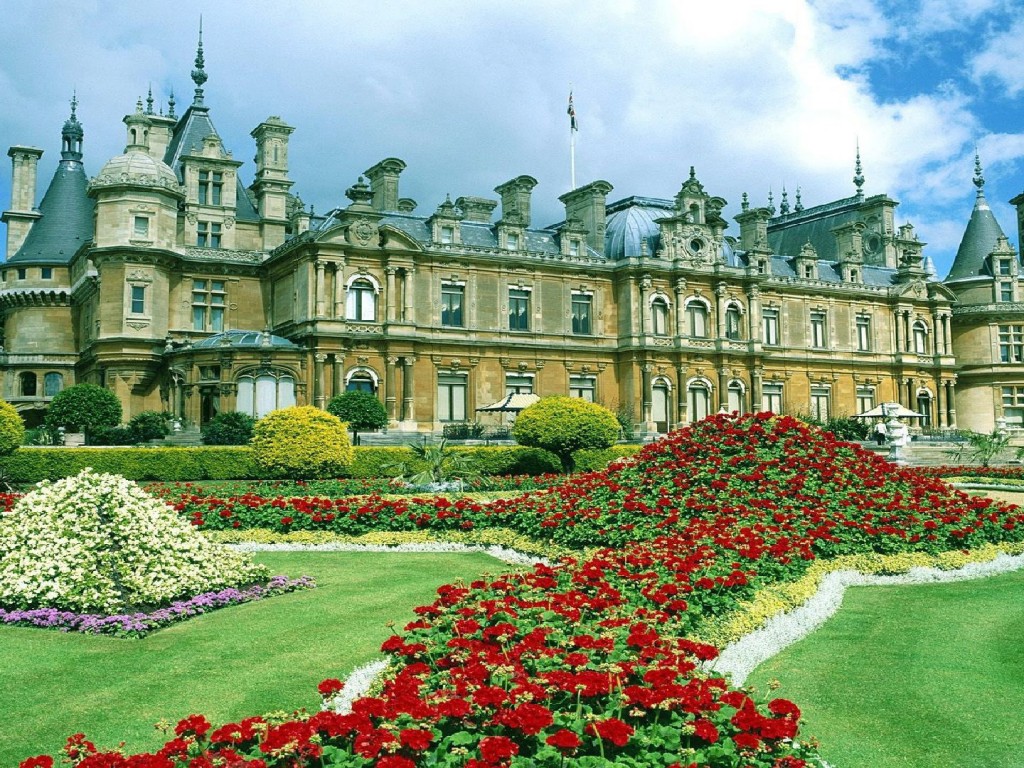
(98, 542)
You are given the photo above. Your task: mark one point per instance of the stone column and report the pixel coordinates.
(389, 387)
(947, 334)
(940, 404)
(756, 391)
(680, 289)
(723, 388)
(391, 299)
(681, 393)
(907, 338)
(321, 288)
(319, 396)
(720, 290)
(645, 396)
(408, 391)
(407, 291)
(645, 310)
(899, 330)
(339, 290)
(339, 373)
(754, 312)
(939, 333)
(951, 403)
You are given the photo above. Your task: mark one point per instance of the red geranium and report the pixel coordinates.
(498, 749)
(564, 739)
(613, 730)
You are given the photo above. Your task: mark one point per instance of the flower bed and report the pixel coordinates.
(141, 623)
(596, 660)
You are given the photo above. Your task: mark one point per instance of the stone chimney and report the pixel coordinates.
(587, 204)
(515, 200)
(478, 209)
(384, 183)
(22, 214)
(754, 228)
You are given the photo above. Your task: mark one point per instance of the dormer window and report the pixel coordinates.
(809, 271)
(447, 235)
(1004, 267)
(22, 273)
(1006, 291)
(512, 241)
(46, 273)
(211, 185)
(574, 247)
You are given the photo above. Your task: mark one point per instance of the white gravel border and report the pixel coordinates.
(740, 658)
(504, 554)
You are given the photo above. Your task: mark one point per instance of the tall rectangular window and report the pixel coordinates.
(208, 234)
(211, 185)
(1013, 406)
(138, 299)
(865, 399)
(447, 235)
(770, 327)
(582, 387)
(820, 403)
(863, 333)
(451, 397)
(209, 299)
(771, 397)
(732, 323)
(140, 227)
(697, 315)
(452, 297)
(512, 241)
(1011, 343)
(1006, 291)
(582, 304)
(819, 339)
(518, 309)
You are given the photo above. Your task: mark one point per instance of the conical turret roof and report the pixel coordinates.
(980, 238)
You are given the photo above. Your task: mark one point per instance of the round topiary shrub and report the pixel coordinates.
(360, 410)
(98, 542)
(229, 428)
(563, 425)
(12, 429)
(301, 442)
(83, 408)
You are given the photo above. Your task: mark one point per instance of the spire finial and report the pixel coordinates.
(799, 203)
(979, 179)
(170, 105)
(771, 202)
(745, 204)
(71, 135)
(199, 73)
(858, 174)
(74, 103)
(784, 205)
(149, 100)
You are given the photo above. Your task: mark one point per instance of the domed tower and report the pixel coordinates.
(123, 315)
(988, 322)
(39, 353)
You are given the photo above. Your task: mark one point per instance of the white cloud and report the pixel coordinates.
(1002, 59)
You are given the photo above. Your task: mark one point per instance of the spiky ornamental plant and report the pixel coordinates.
(96, 542)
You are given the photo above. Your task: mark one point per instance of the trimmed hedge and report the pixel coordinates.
(596, 459)
(30, 464)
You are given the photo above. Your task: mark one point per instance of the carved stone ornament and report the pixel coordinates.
(138, 326)
(139, 276)
(363, 232)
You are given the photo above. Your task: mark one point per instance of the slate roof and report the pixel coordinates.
(979, 240)
(67, 219)
(790, 232)
(243, 339)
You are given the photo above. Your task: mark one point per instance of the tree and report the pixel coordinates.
(981, 447)
(301, 442)
(360, 410)
(12, 429)
(83, 408)
(229, 428)
(564, 425)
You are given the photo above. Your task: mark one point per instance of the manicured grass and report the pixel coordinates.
(236, 662)
(914, 676)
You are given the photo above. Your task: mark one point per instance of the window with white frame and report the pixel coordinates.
(821, 400)
(452, 297)
(697, 317)
(1011, 343)
(138, 300)
(660, 390)
(770, 327)
(518, 384)
(263, 392)
(582, 307)
(451, 396)
(733, 323)
(583, 387)
(865, 399)
(736, 394)
(819, 339)
(771, 397)
(208, 234)
(659, 316)
(698, 401)
(361, 301)
(863, 333)
(211, 186)
(447, 235)
(920, 331)
(518, 309)
(209, 300)
(361, 381)
(140, 227)
(1013, 406)
(924, 407)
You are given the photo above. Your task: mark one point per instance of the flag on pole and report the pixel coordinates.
(572, 115)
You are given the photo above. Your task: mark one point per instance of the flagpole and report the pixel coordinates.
(571, 111)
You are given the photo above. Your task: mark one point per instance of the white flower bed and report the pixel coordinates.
(740, 658)
(500, 553)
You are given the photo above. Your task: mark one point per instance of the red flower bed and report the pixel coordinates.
(592, 659)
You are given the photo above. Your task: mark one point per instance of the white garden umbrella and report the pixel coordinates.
(885, 410)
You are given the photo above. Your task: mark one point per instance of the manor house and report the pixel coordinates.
(185, 282)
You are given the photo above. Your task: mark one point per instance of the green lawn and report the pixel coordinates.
(239, 661)
(914, 676)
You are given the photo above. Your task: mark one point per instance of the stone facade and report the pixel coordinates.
(168, 281)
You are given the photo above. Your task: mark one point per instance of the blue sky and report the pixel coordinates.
(756, 94)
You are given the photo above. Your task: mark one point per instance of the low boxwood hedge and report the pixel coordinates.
(596, 459)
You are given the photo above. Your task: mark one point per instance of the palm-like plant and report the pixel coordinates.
(433, 463)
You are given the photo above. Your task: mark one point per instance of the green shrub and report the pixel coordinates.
(564, 425)
(301, 442)
(229, 428)
(83, 408)
(113, 436)
(12, 429)
(30, 465)
(362, 411)
(596, 459)
(150, 425)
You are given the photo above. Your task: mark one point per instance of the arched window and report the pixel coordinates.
(924, 407)
(920, 338)
(733, 323)
(361, 380)
(53, 383)
(660, 389)
(27, 380)
(659, 316)
(737, 397)
(698, 400)
(361, 304)
(263, 392)
(697, 316)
